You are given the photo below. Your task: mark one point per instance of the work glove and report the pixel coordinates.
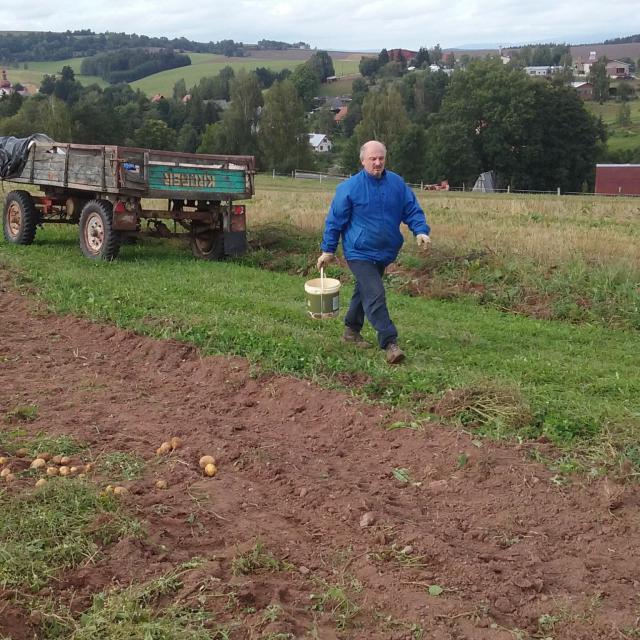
(423, 240)
(324, 260)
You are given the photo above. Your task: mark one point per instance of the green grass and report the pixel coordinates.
(202, 65)
(578, 385)
(139, 612)
(208, 65)
(337, 600)
(48, 530)
(118, 465)
(257, 559)
(35, 71)
(341, 87)
(620, 138)
(13, 439)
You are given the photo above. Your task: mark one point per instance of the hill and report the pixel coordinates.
(611, 51)
(30, 74)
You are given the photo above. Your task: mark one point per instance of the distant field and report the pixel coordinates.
(619, 137)
(202, 65)
(206, 65)
(33, 74)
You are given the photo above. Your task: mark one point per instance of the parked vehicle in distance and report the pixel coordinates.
(102, 188)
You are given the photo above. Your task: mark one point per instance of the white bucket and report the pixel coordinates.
(323, 297)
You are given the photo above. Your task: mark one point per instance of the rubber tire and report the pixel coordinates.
(208, 246)
(97, 218)
(29, 217)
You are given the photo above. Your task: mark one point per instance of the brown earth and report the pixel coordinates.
(309, 473)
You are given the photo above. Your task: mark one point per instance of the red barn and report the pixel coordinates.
(406, 54)
(618, 179)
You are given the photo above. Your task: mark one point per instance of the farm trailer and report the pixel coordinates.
(101, 189)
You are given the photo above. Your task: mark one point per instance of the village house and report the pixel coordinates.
(618, 69)
(402, 54)
(320, 143)
(341, 115)
(544, 71)
(583, 89)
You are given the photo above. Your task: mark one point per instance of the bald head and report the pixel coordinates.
(372, 156)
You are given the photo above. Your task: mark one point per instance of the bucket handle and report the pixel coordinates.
(321, 288)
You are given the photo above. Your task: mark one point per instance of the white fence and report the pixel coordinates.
(321, 178)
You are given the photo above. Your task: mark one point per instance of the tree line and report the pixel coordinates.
(128, 65)
(36, 45)
(534, 133)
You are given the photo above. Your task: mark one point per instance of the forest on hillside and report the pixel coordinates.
(38, 45)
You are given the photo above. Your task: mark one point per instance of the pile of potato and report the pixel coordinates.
(58, 465)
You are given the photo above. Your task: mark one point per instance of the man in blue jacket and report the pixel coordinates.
(366, 213)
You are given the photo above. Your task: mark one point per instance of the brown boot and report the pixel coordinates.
(351, 336)
(395, 355)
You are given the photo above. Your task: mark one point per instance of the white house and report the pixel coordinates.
(541, 70)
(319, 142)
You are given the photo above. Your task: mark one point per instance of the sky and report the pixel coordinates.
(340, 25)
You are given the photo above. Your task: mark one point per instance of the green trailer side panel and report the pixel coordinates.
(196, 179)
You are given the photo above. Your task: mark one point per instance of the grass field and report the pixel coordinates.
(474, 349)
(569, 374)
(620, 137)
(202, 65)
(31, 77)
(207, 65)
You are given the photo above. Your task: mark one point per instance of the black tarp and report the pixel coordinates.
(15, 151)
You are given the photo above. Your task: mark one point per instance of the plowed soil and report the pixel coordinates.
(309, 473)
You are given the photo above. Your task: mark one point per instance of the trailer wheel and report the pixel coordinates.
(98, 240)
(207, 245)
(20, 218)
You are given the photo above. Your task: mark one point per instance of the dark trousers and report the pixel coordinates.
(369, 300)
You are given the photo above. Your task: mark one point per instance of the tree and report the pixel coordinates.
(422, 60)
(368, 67)
(422, 94)
(535, 135)
(625, 91)
(236, 132)
(94, 122)
(306, 83)
(179, 89)
(10, 104)
(623, 118)
(600, 80)
(321, 64)
(187, 139)
(155, 134)
(45, 114)
(408, 154)
(323, 121)
(383, 117)
(282, 137)
(435, 54)
(393, 69)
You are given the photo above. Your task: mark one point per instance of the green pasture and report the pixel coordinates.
(202, 65)
(620, 137)
(31, 77)
(574, 382)
(206, 65)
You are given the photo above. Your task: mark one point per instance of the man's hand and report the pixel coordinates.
(423, 240)
(324, 260)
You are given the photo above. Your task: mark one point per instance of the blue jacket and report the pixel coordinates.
(367, 213)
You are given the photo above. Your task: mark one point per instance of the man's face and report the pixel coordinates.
(373, 159)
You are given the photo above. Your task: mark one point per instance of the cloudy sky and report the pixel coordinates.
(340, 24)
